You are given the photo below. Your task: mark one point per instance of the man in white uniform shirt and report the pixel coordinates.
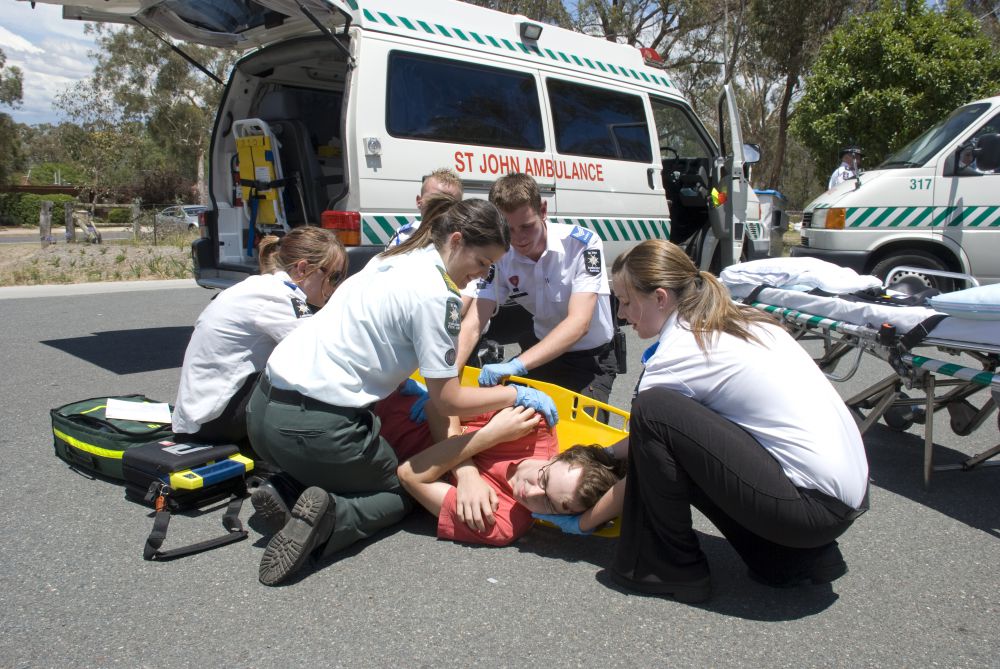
(850, 159)
(557, 273)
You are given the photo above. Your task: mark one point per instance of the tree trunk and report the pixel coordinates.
(774, 178)
(202, 186)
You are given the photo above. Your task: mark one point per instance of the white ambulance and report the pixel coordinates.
(339, 107)
(934, 204)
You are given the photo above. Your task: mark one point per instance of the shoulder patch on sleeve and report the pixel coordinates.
(447, 281)
(592, 261)
(300, 308)
(492, 274)
(453, 316)
(581, 235)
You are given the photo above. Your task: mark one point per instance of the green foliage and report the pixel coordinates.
(885, 76)
(45, 173)
(23, 208)
(120, 216)
(11, 156)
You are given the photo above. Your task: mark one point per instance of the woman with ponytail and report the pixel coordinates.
(312, 415)
(730, 416)
(237, 331)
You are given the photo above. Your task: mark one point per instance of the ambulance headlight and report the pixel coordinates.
(829, 219)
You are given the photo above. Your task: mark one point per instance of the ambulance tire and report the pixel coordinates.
(911, 282)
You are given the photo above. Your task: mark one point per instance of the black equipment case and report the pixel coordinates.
(173, 476)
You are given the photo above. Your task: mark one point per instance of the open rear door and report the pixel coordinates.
(731, 181)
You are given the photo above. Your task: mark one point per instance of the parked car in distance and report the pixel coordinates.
(183, 216)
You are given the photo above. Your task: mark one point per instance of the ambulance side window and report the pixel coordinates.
(450, 101)
(599, 123)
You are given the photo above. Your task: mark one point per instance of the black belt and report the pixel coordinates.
(590, 352)
(296, 398)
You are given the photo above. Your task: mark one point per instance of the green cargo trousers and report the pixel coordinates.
(336, 448)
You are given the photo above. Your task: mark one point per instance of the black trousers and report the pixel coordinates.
(682, 454)
(229, 427)
(589, 373)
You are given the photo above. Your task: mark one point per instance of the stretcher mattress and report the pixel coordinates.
(951, 330)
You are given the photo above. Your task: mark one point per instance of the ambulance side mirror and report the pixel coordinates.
(987, 152)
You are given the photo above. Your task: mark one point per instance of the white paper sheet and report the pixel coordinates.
(144, 412)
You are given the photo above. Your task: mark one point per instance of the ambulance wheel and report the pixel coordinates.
(901, 418)
(913, 282)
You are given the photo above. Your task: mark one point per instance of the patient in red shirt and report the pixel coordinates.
(484, 482)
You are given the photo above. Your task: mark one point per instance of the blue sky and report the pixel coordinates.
(51, 52)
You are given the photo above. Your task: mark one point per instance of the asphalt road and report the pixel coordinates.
(922, 588)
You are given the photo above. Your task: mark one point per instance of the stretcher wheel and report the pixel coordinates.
(962, 414)
(901, 418)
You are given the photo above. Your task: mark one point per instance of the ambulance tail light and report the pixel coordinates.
(829, 219)
(652, 57)
(345, 224)
(203, 223)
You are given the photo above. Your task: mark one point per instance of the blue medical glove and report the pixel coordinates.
(539, 401)
(410, 388)
(569, 524)
(492, 375)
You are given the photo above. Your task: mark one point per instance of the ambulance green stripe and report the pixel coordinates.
(387, 19)
(406, 22)
(508, 44)
(386, 225)
(945, 213)
(369, 16)
(460, 34)
(589, 64)
(564, 57)
(987, 212)
(881, 217)
(962, 215)
(865, 213)
(476, 37)
(551, 55)
(523, 48)
(920, 217)
(612, 68)
(427, 28)
(901, 217)
(442, 30)
(635, 230)
(352, 4)
(646, 234)
(644, 76)
(601, 66)
(611, 230)
(578, 61)
(493, 41)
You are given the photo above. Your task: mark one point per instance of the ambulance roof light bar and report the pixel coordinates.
(652, 57)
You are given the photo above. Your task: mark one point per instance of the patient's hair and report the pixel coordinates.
(600, 472)
(317, 246)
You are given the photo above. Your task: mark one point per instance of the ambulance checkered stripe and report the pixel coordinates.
(378, 229)
(499, 43)
(922, 217)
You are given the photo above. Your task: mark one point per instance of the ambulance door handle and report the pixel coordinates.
(650, 172)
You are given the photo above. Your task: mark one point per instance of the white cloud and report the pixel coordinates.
(12, 43)
(51, 53)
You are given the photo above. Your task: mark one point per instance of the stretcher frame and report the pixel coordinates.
(886, 399)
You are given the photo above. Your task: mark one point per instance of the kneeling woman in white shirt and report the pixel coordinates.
(240, 327)
(730, 416)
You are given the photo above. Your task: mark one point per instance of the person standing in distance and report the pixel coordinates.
(311, 412)
(240, 327)
(850, 160)
(441, 181)
(557, 273)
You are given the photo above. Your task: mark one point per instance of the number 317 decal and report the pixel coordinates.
(920, 184)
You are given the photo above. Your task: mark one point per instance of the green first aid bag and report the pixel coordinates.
(85, 438)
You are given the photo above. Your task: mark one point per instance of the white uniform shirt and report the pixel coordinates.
(840, 175)
(573, 262)
(777, 394)
(232, 339)
(391, 318)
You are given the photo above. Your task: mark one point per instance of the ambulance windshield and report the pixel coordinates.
(927, 145)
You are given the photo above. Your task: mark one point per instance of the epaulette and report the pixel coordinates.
(447, 281)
